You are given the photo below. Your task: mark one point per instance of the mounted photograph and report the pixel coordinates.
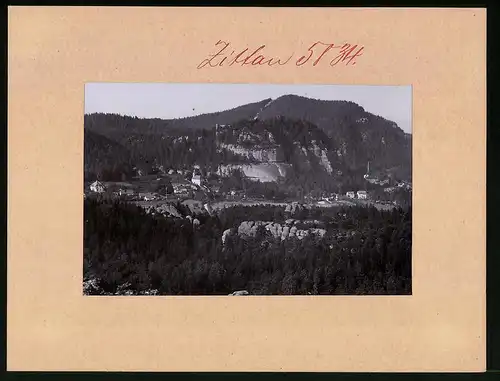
(247, 189)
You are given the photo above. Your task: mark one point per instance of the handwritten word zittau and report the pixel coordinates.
(316, 54)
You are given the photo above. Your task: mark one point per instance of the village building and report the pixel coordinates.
(181, 189)
(362, 195)
(350, 194)
(331, 197)
(404, 185)
(196, 179)
(97, 187)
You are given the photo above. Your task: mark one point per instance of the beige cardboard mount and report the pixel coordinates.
(54, 51)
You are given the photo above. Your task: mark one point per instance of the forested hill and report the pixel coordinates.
(340, 134)
(327, 115)
(360, 135)
(334, 117)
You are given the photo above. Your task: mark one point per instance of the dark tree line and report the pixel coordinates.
(101, 122)
(365, 251)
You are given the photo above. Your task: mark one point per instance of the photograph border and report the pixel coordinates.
(493, 290)
(302, 91)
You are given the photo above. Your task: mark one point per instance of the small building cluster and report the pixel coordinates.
(373, 179)
(183, 189)
(97, 187)
(331, 197)
(402, 185)
(405, 185)
(361, 195)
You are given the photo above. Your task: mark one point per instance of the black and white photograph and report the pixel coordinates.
(247, 189)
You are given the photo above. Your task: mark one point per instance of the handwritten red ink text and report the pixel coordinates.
(334, 54)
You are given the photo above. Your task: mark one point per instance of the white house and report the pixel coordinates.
(362, 195)
(97, 187)
(196, 179)
(350, 194)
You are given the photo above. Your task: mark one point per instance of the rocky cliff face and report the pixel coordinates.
(263, 172)
(288, 230)
(276, 147)
(267, 155)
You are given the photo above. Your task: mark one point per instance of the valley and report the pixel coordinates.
(283, 176)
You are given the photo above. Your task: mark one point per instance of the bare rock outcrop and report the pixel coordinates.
(276, 230)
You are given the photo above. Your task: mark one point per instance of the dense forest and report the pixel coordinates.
(365, 251)
(110, 160)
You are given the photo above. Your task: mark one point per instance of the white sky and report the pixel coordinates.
(168, 101)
